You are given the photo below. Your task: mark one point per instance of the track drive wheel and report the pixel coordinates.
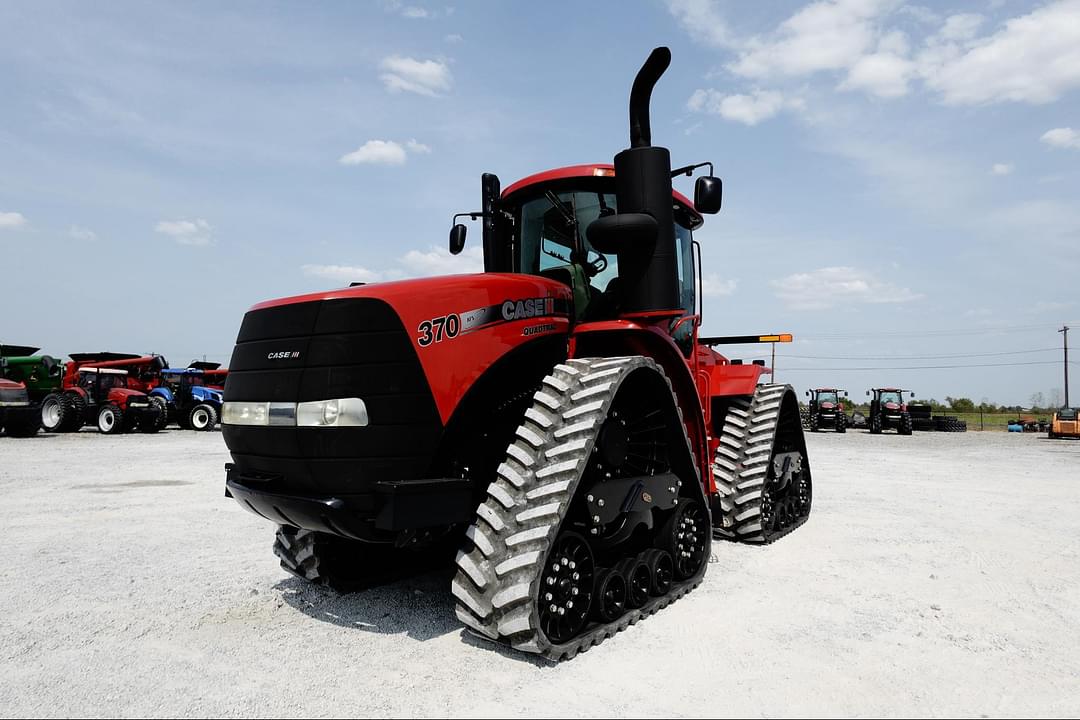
(598, 476)
(761, 468)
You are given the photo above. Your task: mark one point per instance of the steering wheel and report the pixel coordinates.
(597, 266)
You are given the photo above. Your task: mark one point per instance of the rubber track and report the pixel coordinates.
(742, 461)
(500, 568)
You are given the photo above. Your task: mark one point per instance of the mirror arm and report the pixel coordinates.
(688, 170)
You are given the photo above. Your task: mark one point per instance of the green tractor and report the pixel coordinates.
(38, 374)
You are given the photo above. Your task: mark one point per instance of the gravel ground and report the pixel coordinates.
(938, 575)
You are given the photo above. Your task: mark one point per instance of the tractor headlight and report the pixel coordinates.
(342, 412)
(245, 413)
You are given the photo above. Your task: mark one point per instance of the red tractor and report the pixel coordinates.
(555, 419)
(85, 395)
(827, 409)
(888, 411)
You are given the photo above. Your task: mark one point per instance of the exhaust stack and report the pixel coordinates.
(643, 185)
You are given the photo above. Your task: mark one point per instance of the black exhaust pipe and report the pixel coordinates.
(641, 94)
(649, 280)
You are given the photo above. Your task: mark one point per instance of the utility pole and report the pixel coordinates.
(773, 366)
(1065, 341)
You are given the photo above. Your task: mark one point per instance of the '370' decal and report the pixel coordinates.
(436, 329)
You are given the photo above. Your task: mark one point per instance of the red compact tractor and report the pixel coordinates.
(888, 411)
(103, 387)
(827, 409)
(556, 419)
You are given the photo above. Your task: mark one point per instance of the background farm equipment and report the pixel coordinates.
(826, 409)
(82, 397)
(888, 411)
(1065, 424)
(38, 374)
(557, 417)
(18, 416)
(188, 400)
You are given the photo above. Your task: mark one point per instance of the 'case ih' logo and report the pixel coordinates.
(284, 355)
(533, 307)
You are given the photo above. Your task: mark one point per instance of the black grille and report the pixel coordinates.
(349, 347)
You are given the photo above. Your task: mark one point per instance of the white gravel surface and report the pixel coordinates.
(938, 575)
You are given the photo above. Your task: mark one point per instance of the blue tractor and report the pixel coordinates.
(189, 402)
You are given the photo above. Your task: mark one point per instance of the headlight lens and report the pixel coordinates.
(341, 412)
(245, 413)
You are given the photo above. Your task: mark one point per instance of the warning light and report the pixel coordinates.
(603, 172)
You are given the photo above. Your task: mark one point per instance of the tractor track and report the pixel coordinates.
(498, 579)
(741, 465)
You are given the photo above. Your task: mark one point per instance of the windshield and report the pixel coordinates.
(827, 397)
(891, 396)
(551, 224)
(1067, 414)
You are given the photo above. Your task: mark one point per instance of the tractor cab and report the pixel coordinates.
(103, 384)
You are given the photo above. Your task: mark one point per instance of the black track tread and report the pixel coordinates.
(500, 567)
(741, 464)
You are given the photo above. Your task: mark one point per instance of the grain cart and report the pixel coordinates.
(188, 399)
(827, 409)
(888, 411)
(18, 415)
(556, 417)
(66, 410)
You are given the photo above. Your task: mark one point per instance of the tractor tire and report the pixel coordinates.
(202, 417)
(875, 425)
(22, 424)
(761, 469)
(535, 557)
(76, 418)
(814, 423)
(110, 420)
(841, 423)
(183, 421)
(56, 410)
(163, 411)
(904, 428)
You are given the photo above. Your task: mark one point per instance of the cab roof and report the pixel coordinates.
(591, 171)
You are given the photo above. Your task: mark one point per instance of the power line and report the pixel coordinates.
(927, 367)
(968, 330)
(917, 357)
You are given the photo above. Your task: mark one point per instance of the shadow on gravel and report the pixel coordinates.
(420, 607)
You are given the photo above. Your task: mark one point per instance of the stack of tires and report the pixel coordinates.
(921, 419)
(949, 423)
(804, 415)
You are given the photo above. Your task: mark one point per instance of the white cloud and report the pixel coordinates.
(748, 109)
(712, 285)
(415, 13)
(824, 35)
(384, 152)
(452, 38)
(413, 264)
(1064, 137)
(83, 234)
(1034, 58)
(961, 27)
(11, 220)
(375, 152)
(829, 286)
(186, 232)
(702, 20)
(424, 77)
(884, 74)
(1002, 169)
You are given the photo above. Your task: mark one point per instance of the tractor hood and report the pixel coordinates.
(201, 393)
(454, 327)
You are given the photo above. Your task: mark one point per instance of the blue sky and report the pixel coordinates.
(900, 179)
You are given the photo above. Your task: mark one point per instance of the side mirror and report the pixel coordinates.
(708, 194)
(867, 393)
(912, 395)
(845, 393)
(807, 393)
(457, 238)
(623, 232)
